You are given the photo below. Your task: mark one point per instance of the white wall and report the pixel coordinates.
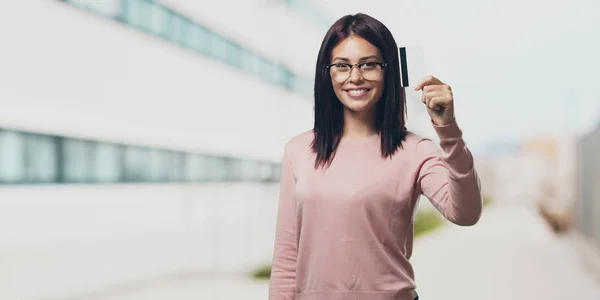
(64, 241)
(269, 26)
(68, 72)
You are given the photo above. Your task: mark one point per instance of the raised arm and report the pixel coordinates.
(283, 272)
(449, 179)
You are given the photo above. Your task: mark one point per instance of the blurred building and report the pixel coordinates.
(142, 138)
(587, 210)
(539, 171)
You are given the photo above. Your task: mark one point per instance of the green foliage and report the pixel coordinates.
(427, 221)
(486, 201)
(263, 272)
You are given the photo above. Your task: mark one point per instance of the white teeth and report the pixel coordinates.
(357, 92)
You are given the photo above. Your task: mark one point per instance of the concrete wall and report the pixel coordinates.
(587, 210)
(58, 241)
(72, 73)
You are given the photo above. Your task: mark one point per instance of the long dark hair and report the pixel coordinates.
(329, 112)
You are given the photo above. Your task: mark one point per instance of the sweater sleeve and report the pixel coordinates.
(449, 179)
(283, 272)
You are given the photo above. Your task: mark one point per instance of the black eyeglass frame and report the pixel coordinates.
(383, 65)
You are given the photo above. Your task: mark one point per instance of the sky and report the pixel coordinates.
(518, 69)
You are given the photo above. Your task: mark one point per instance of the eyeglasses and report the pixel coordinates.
(370, 71)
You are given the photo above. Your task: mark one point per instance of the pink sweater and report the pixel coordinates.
(346, 232)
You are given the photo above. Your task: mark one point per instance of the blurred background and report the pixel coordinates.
(140, 143)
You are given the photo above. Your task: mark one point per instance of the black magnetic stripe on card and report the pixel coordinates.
(403, 67)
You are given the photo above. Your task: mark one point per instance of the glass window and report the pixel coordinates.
(153, 17)
(192, 37)
(166, 166)
(76, 3)
(204, 38)
(192, 168)
(197, 37)
(107, 8)
(137, 164)
(234, 169)
(248, 170)
(107, 163)
(233, 54)
(248, 61)
(12, 158)
(197, 168)
(179, 28)
(139, 14)
(286, 78)
(217, 168)
(265, 69)
(160, 20)
(41, 158)
(266, 171)
(218, 47)
(130, 12)
(309, 11)
(77, 163)
(177, 167)
(279, 74)
(269, 71)
(158, 165)
(37, 158)
(276, 71)
(276, 172)
(145, 15)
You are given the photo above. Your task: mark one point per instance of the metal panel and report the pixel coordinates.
(587, 209)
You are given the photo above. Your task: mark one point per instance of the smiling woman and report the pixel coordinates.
(349, 187)
(370, 47)
(360, 90)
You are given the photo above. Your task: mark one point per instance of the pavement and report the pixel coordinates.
(510, 254)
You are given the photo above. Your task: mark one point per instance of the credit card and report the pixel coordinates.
(412, 65)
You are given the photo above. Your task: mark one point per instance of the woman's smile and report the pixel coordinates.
(357, 93)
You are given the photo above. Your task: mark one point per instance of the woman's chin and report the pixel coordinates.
(357, 105)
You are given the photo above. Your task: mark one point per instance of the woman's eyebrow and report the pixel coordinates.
(341, 58)
(361, 59)
(369, 57)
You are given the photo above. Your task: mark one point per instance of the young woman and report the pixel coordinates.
(349, 186)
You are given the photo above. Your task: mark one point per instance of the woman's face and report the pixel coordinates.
(357, 92)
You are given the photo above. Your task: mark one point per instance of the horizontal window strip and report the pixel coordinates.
(33, 158)
(158, 20)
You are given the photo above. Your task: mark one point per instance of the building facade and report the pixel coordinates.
(142, 138)
(587, 209)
